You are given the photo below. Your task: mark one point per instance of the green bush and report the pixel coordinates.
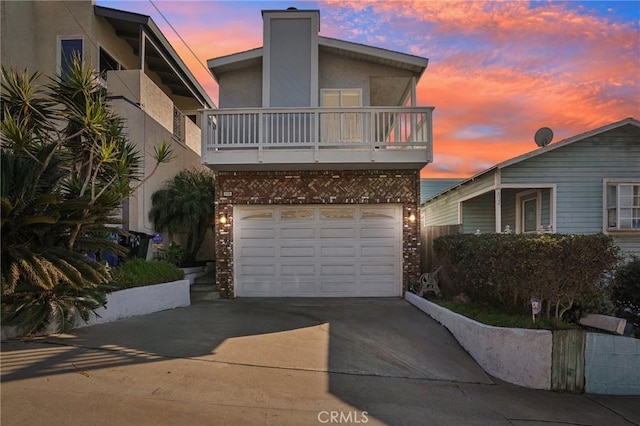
(627, 292)
(175, 255)
(140, 272)
(508, 269)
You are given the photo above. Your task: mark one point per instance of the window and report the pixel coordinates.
(69, 48)
(622, 206)
(107, 63)
(341, 126)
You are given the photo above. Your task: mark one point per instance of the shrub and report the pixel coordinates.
(507, 269)
(175, 255)
(627, 292)
(140, 272)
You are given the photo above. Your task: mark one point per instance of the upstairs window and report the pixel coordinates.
(341, 126)
(69, 47)
(622, 206)
(107, 63)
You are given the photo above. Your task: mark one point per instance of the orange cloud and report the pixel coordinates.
(500, 70)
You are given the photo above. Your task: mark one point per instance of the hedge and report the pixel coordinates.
(509, 269)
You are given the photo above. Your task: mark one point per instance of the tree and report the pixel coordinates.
(185, 204)
(67, 165)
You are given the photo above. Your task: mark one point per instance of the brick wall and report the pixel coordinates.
(316, 187)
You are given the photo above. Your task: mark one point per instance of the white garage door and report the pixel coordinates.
(318, 251)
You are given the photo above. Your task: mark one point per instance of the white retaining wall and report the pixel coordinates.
(127, 303)
(135, 301)
(515, 355)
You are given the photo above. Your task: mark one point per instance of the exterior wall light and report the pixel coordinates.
(412, 217)
(223, 218)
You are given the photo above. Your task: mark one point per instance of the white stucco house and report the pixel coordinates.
(147, 82)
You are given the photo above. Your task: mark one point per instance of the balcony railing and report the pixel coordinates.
(260, 128)
(178, 124)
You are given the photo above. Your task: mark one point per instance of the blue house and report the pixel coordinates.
(586, 184)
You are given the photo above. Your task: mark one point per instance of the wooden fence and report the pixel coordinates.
(427, 235)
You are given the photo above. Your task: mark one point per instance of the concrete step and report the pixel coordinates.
(203, 292)
(208, 278)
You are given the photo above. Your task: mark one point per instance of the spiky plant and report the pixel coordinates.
(66, 166)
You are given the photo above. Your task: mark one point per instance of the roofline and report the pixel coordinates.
(539, 151)
(233, 58)
(380, 52)
(150, 25)
(568, 141)
(411, 60)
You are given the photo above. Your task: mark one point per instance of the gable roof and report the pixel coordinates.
(415, 64)
(164, 60)
(627, 121)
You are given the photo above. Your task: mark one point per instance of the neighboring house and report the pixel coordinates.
(432, 186)
(586, 184)
(317, 160)
(147, 82)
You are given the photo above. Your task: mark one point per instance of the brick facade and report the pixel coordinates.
(317, 187)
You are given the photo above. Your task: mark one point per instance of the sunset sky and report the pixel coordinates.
(497, 70)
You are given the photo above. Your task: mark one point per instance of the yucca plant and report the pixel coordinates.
(66, 166)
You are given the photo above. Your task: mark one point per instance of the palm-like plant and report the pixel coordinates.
(185, 204)
(66, 166)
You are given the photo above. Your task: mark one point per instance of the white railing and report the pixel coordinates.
(353, 128)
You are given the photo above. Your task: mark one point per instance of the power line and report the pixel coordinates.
(97, 47)
(180, 37)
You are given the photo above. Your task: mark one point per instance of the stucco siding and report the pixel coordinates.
(145, 137)
(241, 88)
(17, 18)
(338, 72)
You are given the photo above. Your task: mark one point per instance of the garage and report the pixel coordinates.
(318, 251)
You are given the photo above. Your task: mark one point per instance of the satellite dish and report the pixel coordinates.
(543, 136)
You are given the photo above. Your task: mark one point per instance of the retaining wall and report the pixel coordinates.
(565, 360)
(515, 355)
(141, 301)
(127, 303)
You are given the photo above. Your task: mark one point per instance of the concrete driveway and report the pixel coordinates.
(275, 361)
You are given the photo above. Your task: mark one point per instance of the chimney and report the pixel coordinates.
(290, 58)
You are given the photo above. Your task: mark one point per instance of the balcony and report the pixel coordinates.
(317, 138)
(138, 89)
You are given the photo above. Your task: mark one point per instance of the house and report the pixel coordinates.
(317, 148)
(586, 184)
(147, 82)
(432, 186)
